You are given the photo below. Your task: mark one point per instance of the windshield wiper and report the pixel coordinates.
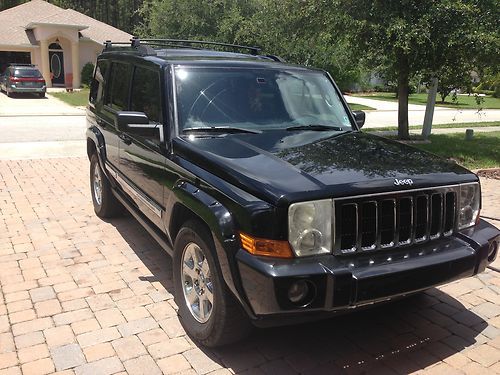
(219, 129)
(316, 127)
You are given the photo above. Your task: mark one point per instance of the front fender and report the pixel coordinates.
(221, 224)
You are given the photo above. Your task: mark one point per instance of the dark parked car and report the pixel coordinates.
(254, 175)
(22, 78)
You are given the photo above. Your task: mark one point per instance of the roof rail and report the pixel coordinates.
(134, 45)
(144, 46)
(186, 43)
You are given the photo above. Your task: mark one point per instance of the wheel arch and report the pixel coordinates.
(95, 143)
(191, 203)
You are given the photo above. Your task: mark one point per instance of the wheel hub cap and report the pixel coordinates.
(97, 184)
(197, 283)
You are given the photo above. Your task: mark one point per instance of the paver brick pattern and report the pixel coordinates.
(87, 296)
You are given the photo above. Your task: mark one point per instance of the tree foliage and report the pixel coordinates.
(400, 39)
(446, 38)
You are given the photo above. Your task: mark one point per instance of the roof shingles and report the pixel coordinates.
(13, 23)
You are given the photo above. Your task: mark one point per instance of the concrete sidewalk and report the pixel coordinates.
(387, 113)
(485, 129)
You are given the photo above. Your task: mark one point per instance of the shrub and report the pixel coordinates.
(477, 90)
(87, 74)
(496, 94)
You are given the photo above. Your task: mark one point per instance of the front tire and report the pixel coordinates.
(105, 203)
(208, 312)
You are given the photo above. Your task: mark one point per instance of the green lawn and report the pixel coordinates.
(464, 101)
(437, 126)
(481, 152)
(360, 107)
(75, 98)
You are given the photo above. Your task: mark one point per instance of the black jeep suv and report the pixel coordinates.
(254, 175)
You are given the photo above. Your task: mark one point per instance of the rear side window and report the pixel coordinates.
(117, 97)
(146, 93)
(98, 82)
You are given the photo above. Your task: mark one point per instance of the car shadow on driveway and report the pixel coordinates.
(27, 96)
(399, 337)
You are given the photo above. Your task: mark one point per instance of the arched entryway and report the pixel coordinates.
(56, 63)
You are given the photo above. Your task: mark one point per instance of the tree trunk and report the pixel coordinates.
(403, 89)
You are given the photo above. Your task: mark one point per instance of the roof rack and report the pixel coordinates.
(135, 43)
(144, 46)
(185, 43)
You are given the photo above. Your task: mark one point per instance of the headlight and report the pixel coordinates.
(468, 205)
(310, 227)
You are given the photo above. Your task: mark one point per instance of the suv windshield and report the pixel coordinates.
(26, 72)
(258, 99)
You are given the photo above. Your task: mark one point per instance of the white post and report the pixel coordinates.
(429, 109)
(44, 56)
(75, 64)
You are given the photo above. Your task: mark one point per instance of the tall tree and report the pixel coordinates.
(411, 36)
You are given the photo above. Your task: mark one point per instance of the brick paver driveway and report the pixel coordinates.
(78, 294)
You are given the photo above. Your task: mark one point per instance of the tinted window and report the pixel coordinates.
(146, 93)
(98, 82)
(118, 92)
(259, 99)
(27, 73)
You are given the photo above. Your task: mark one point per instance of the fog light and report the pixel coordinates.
(298, 291)
(492, 251)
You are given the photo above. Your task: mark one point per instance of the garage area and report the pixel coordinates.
(7, 57)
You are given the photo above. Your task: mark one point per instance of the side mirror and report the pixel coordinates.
(360, 117)
(138, 123)
(125, 118)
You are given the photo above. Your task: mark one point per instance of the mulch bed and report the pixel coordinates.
(489, 173)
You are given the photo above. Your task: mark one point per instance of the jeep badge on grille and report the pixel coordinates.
(406, 181)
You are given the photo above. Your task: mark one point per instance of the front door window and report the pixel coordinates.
(56, 61)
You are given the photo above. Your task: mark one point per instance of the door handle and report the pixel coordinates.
(125, 138)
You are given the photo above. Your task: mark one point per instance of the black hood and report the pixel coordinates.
(282, 167)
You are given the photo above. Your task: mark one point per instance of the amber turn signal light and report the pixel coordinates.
(264, 247)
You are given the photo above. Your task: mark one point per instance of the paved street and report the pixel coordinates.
(86, 296)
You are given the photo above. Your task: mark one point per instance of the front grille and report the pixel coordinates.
(384, 221)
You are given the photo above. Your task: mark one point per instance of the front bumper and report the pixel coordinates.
(347, 282)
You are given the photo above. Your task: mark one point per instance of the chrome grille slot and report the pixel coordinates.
(388, 223)
(436, 215)
(421, 217)
(449, 213)
(388, 220)
(349, 227)
(369, 223)
(405, 220)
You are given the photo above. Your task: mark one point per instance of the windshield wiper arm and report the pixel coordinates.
(316, 127)
(219, 129)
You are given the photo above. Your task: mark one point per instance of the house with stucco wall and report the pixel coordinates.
(58, 41)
